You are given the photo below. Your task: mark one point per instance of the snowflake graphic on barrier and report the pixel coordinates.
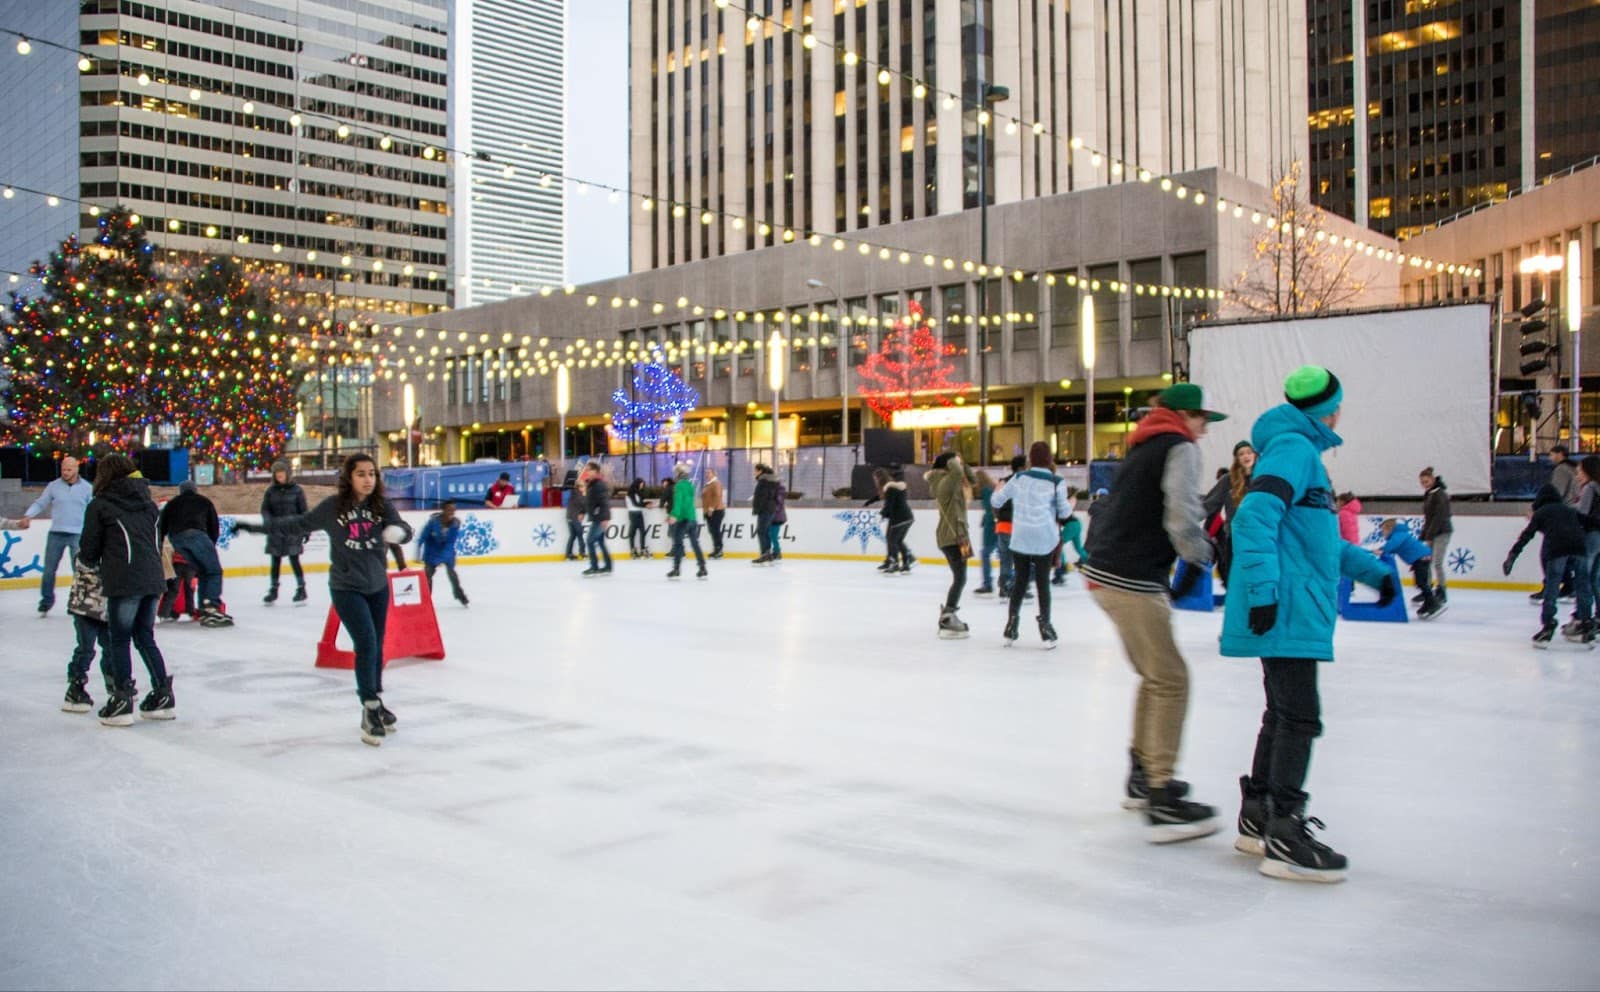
(476, 538)
(10, 571)
(1462, 561)
(861, 525)
(227, 530)
(1375, 536)
(544, 535)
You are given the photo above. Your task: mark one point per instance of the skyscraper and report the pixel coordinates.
(788, 116)
(508, 109)
(42, 113)
(1420, 109)
(307, 137)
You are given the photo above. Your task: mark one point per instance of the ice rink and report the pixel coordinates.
(780, 778)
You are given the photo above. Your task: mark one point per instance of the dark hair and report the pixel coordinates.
(1018, 462)
(1591, 467)
(347, 491)
(109, 469)
(880, 476)
(448, 504)
(1427, 471)
(1561, 448)
(1039, 455)
(943, 459)
(505, 476)
(1346, 497)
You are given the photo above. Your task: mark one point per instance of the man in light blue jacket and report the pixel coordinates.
(1281, 606)
(66, 498)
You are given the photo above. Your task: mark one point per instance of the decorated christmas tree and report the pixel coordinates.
(910, 367)
(653, 409)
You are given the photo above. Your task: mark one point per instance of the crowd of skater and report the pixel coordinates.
(1270, 525)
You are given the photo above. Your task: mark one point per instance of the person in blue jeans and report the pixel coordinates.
(597, 504)
(436, 546)
(991, 540)
(66, 498)
(1562, 552)
(189, 521)
(360, 523)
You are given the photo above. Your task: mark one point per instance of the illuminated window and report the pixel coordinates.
(1379, 207)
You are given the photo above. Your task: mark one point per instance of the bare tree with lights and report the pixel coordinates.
(1297, 266)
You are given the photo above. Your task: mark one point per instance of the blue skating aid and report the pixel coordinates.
(1199, 598)
(1395, 612)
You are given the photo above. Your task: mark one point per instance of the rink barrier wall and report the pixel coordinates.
(828, 534)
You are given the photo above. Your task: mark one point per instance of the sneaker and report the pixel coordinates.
(1291, 852)
(1171, 818)
(300, 596)
(271, 596)
(1432, 611)
(387, 717)
(118, 710)
(77, 701)
(1542, 638)
(1137, 789)
(1011, 630)
(1252, 819)
(372, 729)
(950, 625)
(159, 703)
(1047, 633)
(983, 591)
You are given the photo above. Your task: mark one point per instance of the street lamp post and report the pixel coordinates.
(563, 402)
(1574, 305)
(1086, 342)
(844, 358)
(409, 401)
(777, 354)
(1548, 266)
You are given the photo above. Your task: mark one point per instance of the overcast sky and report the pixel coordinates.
(597, 136)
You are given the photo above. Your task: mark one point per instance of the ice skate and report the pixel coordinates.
(388, 718)
(1292, 853)
(950, 625)
(1579, 631)
(118, 710)
(1431, 611)
(1011, 630)
(1252, 819)
(1047, 633)
(271, 596)
(702, 574)
(1136, 791)
(300, 596)
(1171, 818)
(159, 703)
(983, 591)
(1543, 637)
(372, 729)
(77, 700)
(675, 573)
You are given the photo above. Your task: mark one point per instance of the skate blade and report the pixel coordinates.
(1249, 845)
(953, 635)
(1048, 646)
(76, 707)
(367, 738)
(117, 721)
(1009, 643)
(302, 603)
(1133, 803)
(1274, 868)
(1171, 833)
(158, 715)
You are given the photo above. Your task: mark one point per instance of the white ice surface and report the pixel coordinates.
(780, 778)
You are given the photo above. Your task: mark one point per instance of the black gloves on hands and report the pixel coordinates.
(1505, 566)
(1387, 591)
(1188, 578)
(1263, 618)
(249, 528)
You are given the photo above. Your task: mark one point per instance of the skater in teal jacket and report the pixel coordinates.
(1281, 605)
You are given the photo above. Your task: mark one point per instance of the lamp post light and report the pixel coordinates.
(1548, 266)
(989, 95)
(1086, 342)
(1574, 304)
(777, 364)
(409, 402)
(563, 403)
(844, 358)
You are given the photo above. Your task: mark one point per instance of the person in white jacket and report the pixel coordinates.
(1039, 502)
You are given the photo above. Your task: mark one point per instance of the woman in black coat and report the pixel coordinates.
(284, 498)
(119, 537)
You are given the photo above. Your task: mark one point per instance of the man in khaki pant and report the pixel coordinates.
(1152, 517)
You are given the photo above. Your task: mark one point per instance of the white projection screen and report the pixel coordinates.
(1417, 391)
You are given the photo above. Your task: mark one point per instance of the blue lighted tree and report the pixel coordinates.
(655, 406)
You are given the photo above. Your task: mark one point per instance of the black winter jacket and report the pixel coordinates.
(765, 499)
(1559, 523)
(598, 500)
(283, 499)
(1436, 512)
(188, 511)
(119, 536)
(896, 507)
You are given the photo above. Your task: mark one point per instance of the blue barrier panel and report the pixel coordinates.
(1395, 612)
(1198, 599)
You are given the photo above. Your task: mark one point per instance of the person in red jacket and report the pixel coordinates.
(501, 491)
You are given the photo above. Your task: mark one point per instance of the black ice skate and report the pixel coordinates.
(1291, 852)
(1252, 819)
(300, 596)
(1431, 611)
(702, 574)
(1047, 633)
(1579, 631)
(1542, 638)
(77, 701)
(271, 596)
(1172, 818)
(211, 615)
(159, 703)
(950, 625)
(1011, 630)
(387, 717)
(1136, 791)
(118, 710)
(372, 729)
(675, 573)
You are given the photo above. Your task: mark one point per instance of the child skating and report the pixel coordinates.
(436, 546)
(1401, 543)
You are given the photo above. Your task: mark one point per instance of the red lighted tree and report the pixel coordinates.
(911, 367)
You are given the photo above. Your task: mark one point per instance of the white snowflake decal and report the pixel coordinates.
(862, 525)
(544, 535)
(476, 537)
(10, 571)
(227, 529)
(1462, 561)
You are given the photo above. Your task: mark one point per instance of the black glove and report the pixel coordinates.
(1387, 591)
(249, 528)
(1505, 566)
(1188, 578)
(1263, 618)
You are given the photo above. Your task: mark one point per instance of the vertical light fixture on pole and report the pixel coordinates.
(1574, 307)
(409, 411)
(563, 402)
(777, 365)
(1086, 340)
(844, 357)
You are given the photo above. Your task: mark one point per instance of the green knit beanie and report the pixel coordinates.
(1313, 389)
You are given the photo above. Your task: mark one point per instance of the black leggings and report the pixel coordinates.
(636, 531)
(899, 557)
(958, 574)
(294, 563)
(1293, 719)
(1024, 565)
